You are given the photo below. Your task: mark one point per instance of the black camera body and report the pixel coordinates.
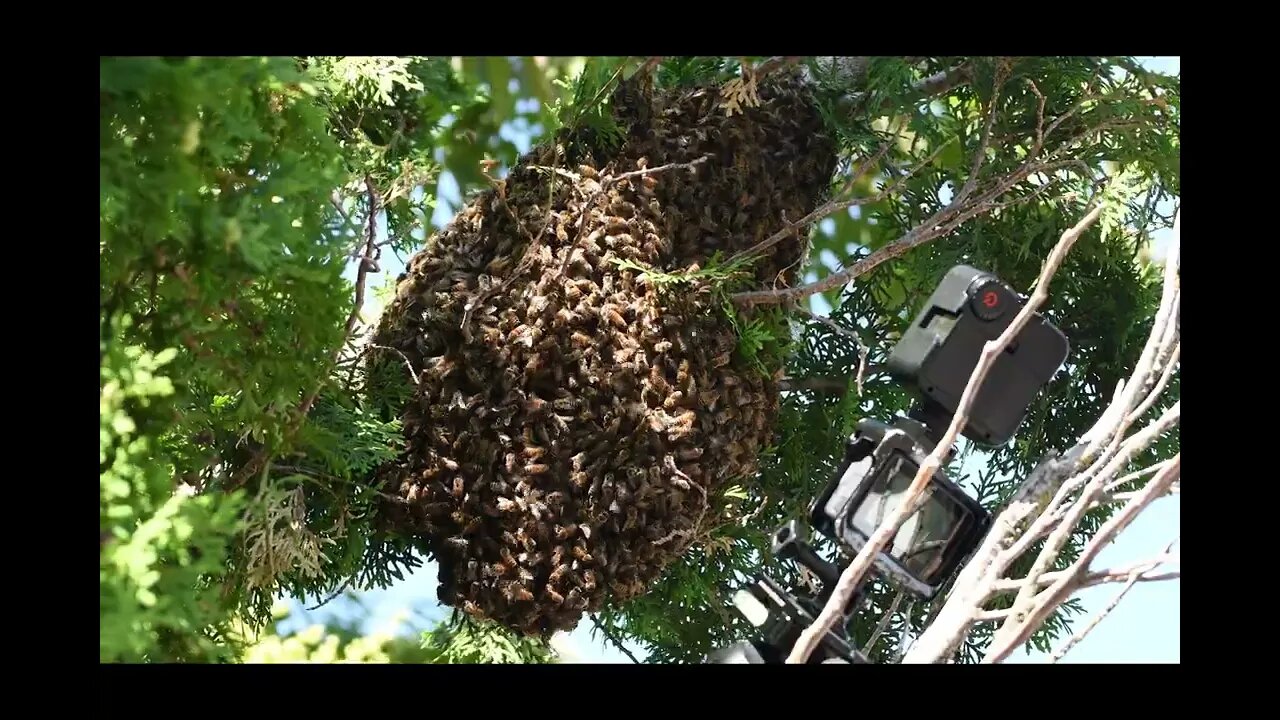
(936, 356)
(939, 350)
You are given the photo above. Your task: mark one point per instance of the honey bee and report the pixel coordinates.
(682, 424)
(536, 469)
(687, 454)
(552, 595)
(557, 574)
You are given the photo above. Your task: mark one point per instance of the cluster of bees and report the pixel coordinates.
(572, 419)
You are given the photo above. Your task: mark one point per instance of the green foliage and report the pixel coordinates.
(215, 176)
(235, 191)
(341, 641)
(688, 71)
(460, 639)
(585, 114)
(158, 547)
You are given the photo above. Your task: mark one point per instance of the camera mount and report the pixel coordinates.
(935, 356)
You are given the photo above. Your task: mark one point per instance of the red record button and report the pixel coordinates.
(989, 300)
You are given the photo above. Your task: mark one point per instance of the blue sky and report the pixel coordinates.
(1144, 628)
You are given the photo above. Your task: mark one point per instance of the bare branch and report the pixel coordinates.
(863, 350)
(1022, 624)
(1035, 150)
(1097, 577)
(933, 227)
(1134, 577)
(853, 574)
(980, 156)
(884, 623)
(842, 203)
(981, 576)
(617, 642)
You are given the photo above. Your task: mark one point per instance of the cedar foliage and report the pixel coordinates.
(241, 433)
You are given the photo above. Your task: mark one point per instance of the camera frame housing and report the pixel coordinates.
(870, 454)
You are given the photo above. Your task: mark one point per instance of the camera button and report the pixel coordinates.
(989, 300)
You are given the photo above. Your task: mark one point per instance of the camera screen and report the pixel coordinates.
(922, 540)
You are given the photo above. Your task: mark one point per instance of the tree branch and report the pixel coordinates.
(369, 261)
(884, 623)
(857, 569)
(956, 212)
(1134, 577)
(863, 350)
(1019, 627)
(614, 639)
(982, 575)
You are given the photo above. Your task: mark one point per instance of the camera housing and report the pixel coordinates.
(936, 355)
(879, 465)
(939, 350)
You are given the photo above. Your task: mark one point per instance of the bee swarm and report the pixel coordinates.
(571, 421)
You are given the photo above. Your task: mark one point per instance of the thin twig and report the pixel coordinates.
(1098, 577)
(843, 203)
(1170, 362)
(341, 589)
(1027, 602)
(1075, 639)
(863, 350)
(1020, 624)
(980, 156)
(883, 624)
(649, 171)
(614, 639)
(1125, 480)
(857, 569)
(1039, 116)
(937, 225)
